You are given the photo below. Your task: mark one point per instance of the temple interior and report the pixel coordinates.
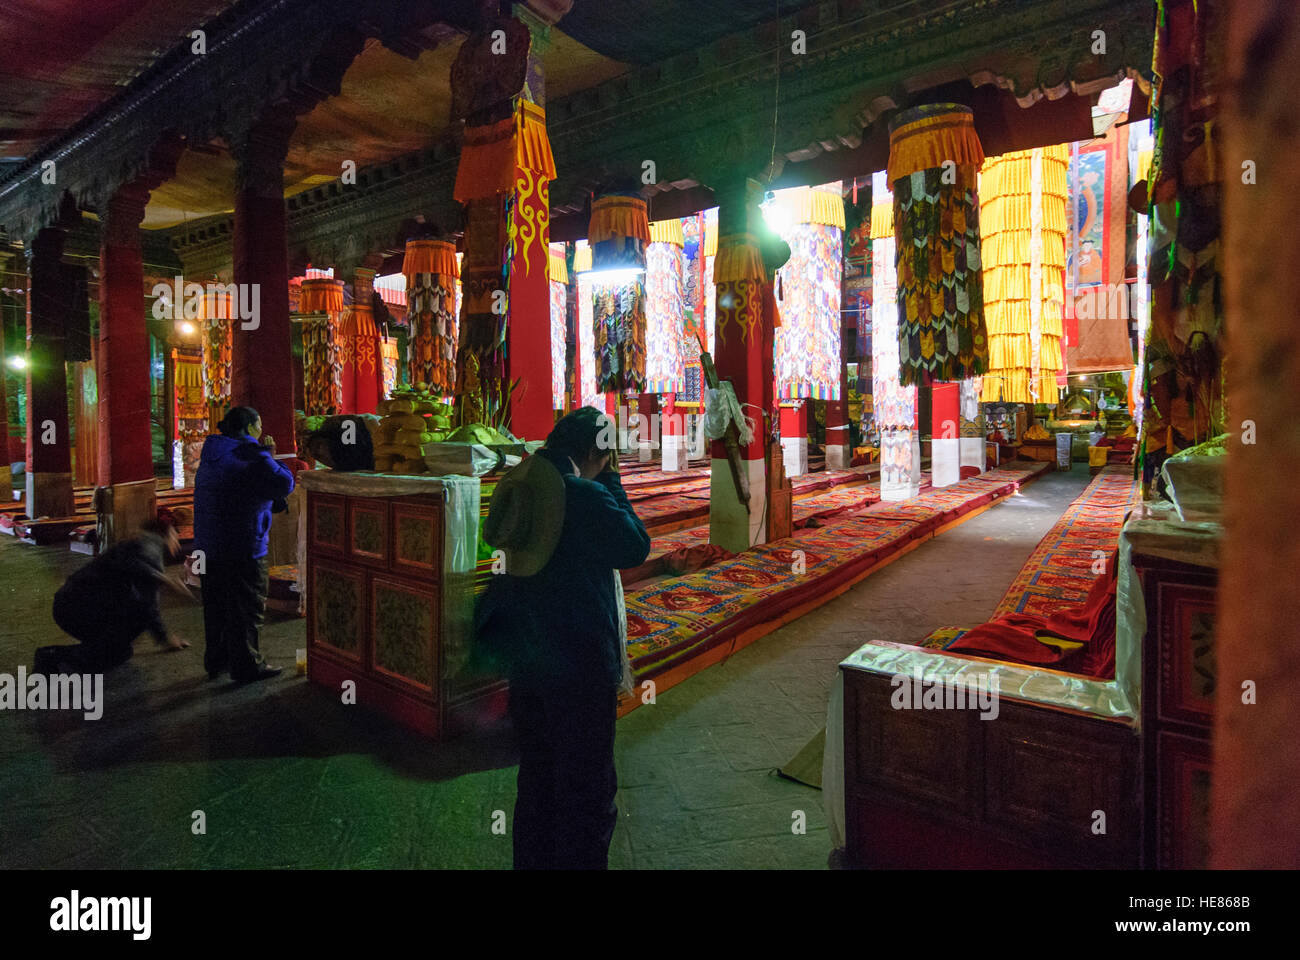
(948, 367)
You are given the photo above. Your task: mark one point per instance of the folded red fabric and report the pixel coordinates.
(1015, 636)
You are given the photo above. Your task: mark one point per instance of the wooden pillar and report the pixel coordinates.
(262, 373)
(124, 441)
(49, 447)
(743, 356)
(1255, 819)
(794, 438)
(6, 476)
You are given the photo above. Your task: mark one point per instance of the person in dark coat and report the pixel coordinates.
(112, 600)
(553, 623)
(237, 484)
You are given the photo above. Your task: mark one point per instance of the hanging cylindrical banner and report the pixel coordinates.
(617, 234)
(321, 362)
(806, 350)
(893, 404)
(665, 308)
(218, 337)
(431, 273)
(1022, 250)
(934, 160)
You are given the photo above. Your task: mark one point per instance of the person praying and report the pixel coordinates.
(554, 623)
(112, 600)
(236, 486)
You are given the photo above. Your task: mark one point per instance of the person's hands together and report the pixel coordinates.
(268, 441)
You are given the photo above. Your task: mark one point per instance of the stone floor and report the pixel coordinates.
(287, 777)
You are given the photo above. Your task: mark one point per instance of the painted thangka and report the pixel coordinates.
(934, 160)
(665, 308)
(1023, 222)
(807, 344)
(1097, 309)
(693, 230)
(586, 334)
(559, 276)
(893, 404)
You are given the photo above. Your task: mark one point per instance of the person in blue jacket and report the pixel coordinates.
(553, 623)
(235, 488)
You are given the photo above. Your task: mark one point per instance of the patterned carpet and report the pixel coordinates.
(675, 619)
(1059, 574)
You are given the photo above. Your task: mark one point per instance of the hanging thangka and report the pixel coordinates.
(321, 355)
(618, 234)
(431, 273)
(807, 349)
(934, 159)
(665, 308)
(559, 278)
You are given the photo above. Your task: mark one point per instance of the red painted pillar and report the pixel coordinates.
(49, 450)
(124, 441)
(6, 477)
(794, 438)
(122, 366)
(839, 453)
(262, 372)
(742, 354)
(532, 406)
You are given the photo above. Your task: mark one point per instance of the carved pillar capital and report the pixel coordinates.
(260, 150)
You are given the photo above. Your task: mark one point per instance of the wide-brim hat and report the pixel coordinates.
(526, 515)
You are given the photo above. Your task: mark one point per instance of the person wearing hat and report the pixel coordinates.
(553, 622)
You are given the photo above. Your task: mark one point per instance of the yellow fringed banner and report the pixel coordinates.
(807, 205)
(618, 217)
(492, 155)
(933, 141)
(582, 260)
(667, 231)
(710, 238)
(739, 258)
(882, 221)
(559, 271)
(533, 146)
(430, 256)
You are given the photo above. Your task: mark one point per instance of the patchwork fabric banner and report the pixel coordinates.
(807, 347)
(665, 315)
(893, 403)
(559, 306)
(587, 345)
(934, 158)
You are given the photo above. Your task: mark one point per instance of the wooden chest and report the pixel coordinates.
(377, 617)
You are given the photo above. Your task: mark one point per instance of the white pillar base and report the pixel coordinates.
(945, 462)
(794, 451)
(675, 453)
(838, 457)
(972, 453)
(732, 526)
